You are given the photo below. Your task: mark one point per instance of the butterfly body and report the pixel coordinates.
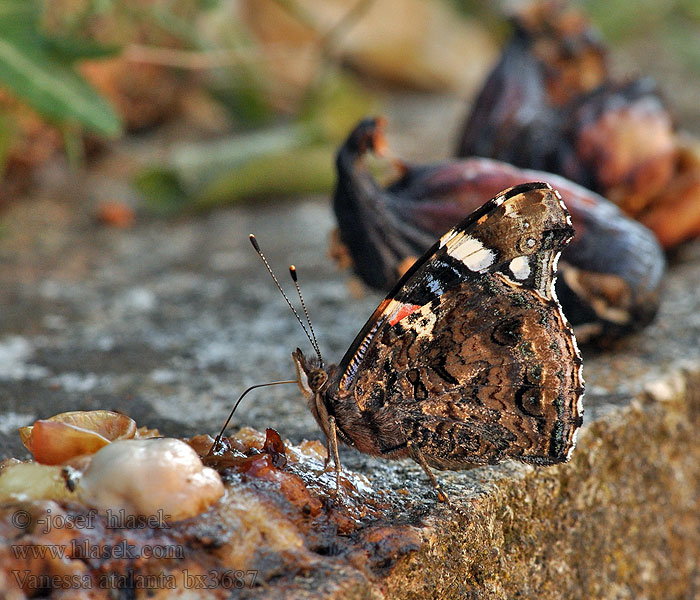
(469, 359)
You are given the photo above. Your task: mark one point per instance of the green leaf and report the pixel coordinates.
(243, 94)
(162, 191)
(52, 88)
(8, 132)
(287, 173)
(197, 163)
(70, 49)
(19, 15)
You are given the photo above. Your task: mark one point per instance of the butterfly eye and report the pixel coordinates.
(317, 379)
(527, 244)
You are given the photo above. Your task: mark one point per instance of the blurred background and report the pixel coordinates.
(165, 106)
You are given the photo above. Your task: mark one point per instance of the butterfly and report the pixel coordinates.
(469, 360)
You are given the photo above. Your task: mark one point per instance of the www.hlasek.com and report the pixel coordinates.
(213, 579)
(84, 549)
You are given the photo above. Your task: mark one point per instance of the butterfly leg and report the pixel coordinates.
(417, 455)
(333, 450)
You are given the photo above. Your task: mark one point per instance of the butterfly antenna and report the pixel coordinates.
(217, 441)
(279, 287)
(314, 341)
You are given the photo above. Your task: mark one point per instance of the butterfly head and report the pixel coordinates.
(311, 377)
(312, 380)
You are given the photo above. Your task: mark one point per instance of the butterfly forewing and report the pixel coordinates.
(470, 357)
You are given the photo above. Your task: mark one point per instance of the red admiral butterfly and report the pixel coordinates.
(469, 360)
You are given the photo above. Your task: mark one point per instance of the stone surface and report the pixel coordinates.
(170, 320)
(619, 521)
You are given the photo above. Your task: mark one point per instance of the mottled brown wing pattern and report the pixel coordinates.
(501, 384)
(470, 357)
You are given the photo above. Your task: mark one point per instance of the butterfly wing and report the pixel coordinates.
(470, 357)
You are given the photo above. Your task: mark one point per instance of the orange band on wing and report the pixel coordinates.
(403, 311)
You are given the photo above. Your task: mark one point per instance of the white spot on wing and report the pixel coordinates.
(566, 210)
(574, 439)
(552, 289)
(520, 267)
(469, 251)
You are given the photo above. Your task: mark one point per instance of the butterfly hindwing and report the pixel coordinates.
(469, 356)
